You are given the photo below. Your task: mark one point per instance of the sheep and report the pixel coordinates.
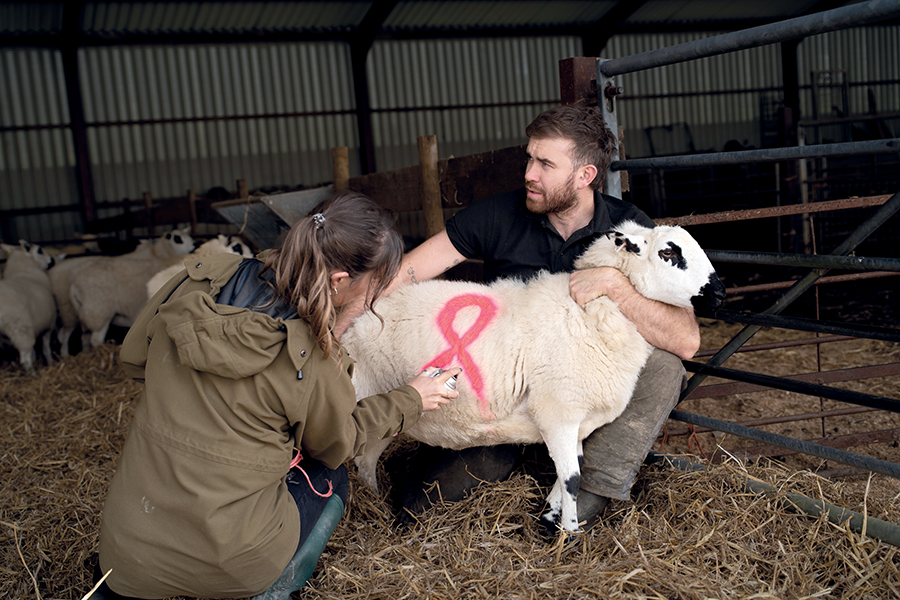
(112, 289)
(218, 245)
(537, 367)
(27, 308)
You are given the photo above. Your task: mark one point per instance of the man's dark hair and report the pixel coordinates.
(594, 143)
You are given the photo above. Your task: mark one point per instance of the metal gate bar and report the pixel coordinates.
(890, 146)
(821, 22)
(734, 216)
(872, 332)
(812, 261)
(865, 229)
(842, 412)
(774, 439)
(766, 287)
(851, 374)
(783, 344)
(800, 387)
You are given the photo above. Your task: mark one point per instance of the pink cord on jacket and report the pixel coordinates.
(295, 462)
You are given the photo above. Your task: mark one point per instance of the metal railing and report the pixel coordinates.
(818, 265)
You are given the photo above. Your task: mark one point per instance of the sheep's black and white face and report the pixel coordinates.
(238, 247)
(180, 239)
(44, 259)
(663, 263)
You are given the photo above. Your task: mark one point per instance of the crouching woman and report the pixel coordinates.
(231, 479)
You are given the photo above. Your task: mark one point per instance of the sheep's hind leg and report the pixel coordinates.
(367, 464)
(564, 447)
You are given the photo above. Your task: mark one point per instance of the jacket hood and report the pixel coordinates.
(226, 340)
(222, 340)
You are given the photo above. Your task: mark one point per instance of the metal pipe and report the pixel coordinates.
(884, 212)
(859, 523)
(767, 287)
(812, 261)
(732, 216)
(889, 146)
(773, 33)
(848, 458)
(842, 412)
(719, 390)
(800, 387)
(783, 344)
(872, 332)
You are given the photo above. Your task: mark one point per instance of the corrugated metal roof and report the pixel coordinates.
(194, 17)
(341, 18)
(700, 11)
(465, 14)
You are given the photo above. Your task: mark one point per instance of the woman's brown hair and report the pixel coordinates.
(348, 232)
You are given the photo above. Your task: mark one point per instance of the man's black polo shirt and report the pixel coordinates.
(515, 242)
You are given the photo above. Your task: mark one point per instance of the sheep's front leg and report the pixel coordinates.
(565, 450)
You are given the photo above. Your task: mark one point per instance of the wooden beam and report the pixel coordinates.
(431, 185)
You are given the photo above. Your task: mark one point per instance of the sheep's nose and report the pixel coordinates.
(712, 295)
(717, 290)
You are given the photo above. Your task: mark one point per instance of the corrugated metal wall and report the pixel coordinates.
(693, 106)
(474, 95)
(36, 155)
(165, 119)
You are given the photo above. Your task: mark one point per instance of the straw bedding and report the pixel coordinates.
(685, 535)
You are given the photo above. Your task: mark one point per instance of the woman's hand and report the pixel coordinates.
(432, 389)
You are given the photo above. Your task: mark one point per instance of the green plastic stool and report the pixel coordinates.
(302, 565)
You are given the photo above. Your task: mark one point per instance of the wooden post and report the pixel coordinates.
(148, 210)
(340, 168)
(578, 80)
(192, 206)
(243, 193)
(431, 185)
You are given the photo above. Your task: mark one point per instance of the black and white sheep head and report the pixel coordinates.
(180, 239)
(236, 245)
(38, 254)
(663, 263)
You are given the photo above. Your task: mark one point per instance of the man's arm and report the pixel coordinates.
(667, 327)
(426, 261)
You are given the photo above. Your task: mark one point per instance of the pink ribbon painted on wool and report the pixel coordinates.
(487, 309)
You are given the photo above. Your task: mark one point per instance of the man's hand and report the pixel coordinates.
(667, 327)
(590, 284)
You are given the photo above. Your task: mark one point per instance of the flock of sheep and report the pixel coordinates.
(40, 293)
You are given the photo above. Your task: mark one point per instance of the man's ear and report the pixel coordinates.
(588, 174)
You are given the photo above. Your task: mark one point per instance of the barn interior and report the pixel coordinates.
(123, 120)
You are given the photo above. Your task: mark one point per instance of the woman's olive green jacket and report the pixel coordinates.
(199, 505)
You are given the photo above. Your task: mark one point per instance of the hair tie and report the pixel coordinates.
(319, 219)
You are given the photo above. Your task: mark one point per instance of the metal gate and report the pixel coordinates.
(816, 265)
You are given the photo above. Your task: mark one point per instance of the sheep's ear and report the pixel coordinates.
(623, 243)
(8, 248)
(25, 244)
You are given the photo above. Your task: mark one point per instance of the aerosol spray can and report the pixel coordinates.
(450, 384)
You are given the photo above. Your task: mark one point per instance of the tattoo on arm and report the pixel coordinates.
(455, 262)
(412, 275)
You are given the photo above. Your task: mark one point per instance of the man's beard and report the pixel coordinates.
(555, 201)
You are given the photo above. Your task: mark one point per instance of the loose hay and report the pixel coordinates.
(686, 535)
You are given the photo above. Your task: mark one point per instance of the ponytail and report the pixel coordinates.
(348, 232)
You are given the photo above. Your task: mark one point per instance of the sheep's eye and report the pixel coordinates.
(666, 253)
